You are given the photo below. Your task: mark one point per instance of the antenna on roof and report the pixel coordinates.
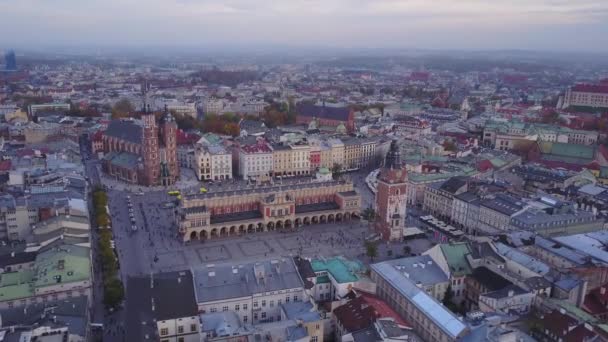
(151, 280)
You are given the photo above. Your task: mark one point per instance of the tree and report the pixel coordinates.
(371, 250)
(113, 292)
(335, 170)
(449, 145)
(449, 294)
(369, 214)
(122, 108)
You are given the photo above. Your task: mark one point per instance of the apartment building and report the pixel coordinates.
(438, 197)
(496, 212)
(19, 214)
(58, 272)
(255, 291)
(431, 320)
(212, 162)
(256, 161)
(589, 95)
(161, 307)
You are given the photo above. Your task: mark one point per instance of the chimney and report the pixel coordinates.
(511, 293)
(602, 290)
(562, 311)
(153, 306)
(12, 254)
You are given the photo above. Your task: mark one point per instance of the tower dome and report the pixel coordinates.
(167, 116)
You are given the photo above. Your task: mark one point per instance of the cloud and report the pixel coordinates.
(362, 23)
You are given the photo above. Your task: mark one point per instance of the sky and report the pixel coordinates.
(560, 25)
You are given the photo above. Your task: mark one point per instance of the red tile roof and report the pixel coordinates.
(484, 165)
(184, 138)
(591, 88)
(5, 165)
(382, 308)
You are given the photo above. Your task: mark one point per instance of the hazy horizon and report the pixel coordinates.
(535, 25)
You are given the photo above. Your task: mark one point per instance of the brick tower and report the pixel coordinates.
(169, 164)
(150, 149)
(391, 197)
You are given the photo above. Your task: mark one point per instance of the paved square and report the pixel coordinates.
(293, 242)
(171, 260)
(213, 253)
(252, 248)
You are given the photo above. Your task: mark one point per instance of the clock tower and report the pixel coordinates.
(391, 197)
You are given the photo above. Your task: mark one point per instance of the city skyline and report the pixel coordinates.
(468, 25)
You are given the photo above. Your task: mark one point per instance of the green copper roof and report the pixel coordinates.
(455, 255)
(65, 264)
(342, 270)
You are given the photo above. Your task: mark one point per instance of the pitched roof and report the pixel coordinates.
(455, 255)
(144, 292)
(492, 281)
(125, 130)
(323, 112)
(569, 153)
(357, 314)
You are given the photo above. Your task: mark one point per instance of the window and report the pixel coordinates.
(180, 329)
(287, 299)
(295, 298)
(272, 303)
(180, 339)
(255, 304)
(245, 319)
(237, 307)
(213, 310)
(225, 308)
(192, 327)
(263, 303)
(313, 339)
(244, 306)
(164, 331)
(263, 315)
(255, 316)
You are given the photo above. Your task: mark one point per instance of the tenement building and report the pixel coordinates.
(142, 151)
(429, 318)
(266, 208)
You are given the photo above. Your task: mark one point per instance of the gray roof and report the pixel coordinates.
(214, 283)
(71, 313)
(172, 295)
(522, 259)
(123, 159)
(125, 130)
(504, 292)
(285, 186)
(368, 334)
(431, 308)
(557, 248)
(300, 311)
(504, 204)
(420, 269)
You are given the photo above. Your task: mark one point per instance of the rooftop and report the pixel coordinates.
(455, 255)
(431, 308)
(341, 269)
(420, 269)
(214, 283)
